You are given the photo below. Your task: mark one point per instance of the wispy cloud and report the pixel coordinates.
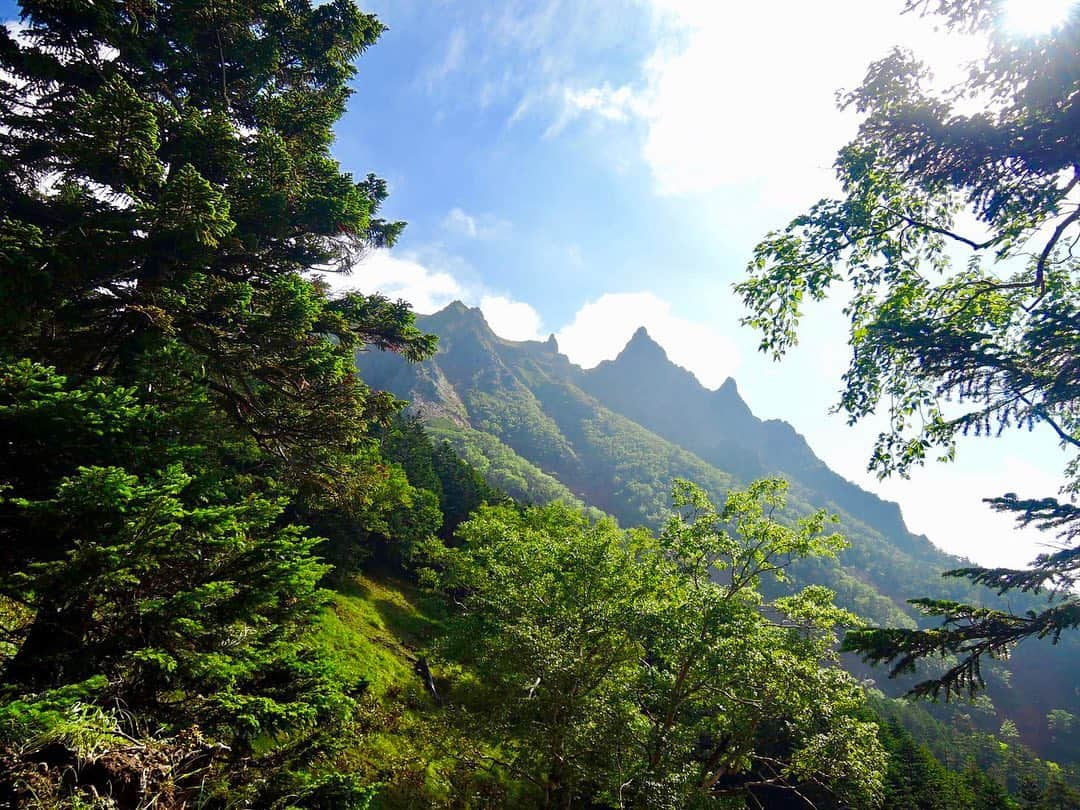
(474, 226)
(519, 55)
(452, 59)
(744, 94)
(614, 104)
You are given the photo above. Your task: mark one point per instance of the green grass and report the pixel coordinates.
(375, 628)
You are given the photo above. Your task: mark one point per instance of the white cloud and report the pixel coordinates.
(607, 103)
(400, 276)
(601, 328)
(1029, 18)
(474, 226)
(429, 289)
(744, 93)
(513, 320)
(460, 222)
(614, 104)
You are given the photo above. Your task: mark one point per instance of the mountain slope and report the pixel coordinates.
(720, 427)
(615, 437)
(610, 445)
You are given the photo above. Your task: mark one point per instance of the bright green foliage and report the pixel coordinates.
(978, 344)
(739, 694)
(426, 490)
(651, 672)
(156, 591)
(627, 470)
(625, 466)
(501, 466)
(551, 622)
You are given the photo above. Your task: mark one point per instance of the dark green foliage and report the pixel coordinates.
(433, 466)
(1057, 795)
(917, 780)
(185, 444)
(464, 490)
(161, 187)
(166, 596)
(405, 442)
(178, 397)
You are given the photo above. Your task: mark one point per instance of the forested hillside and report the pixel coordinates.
(267, 541)
(614, 435)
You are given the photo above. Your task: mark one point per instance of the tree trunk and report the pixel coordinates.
(51, 651)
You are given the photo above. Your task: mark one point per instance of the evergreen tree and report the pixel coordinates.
(177, 393)
(463, 488)
(166, 181)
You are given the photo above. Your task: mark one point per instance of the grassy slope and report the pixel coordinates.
(374, 630)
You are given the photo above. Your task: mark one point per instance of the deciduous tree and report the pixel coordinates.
(955, 235)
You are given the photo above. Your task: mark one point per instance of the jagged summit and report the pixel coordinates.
(729, 387)
(457, 317)
(642, 384)
(609, 434)
(641, 337)
(642, 347)
(459, 309)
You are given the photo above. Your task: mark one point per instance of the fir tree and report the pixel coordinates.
(177, 392)
(944, 347)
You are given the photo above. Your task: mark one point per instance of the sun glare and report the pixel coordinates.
(1035, 17)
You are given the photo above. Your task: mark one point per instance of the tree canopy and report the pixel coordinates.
(650, 671)
(955, 234)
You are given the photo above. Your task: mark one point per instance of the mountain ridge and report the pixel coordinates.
(722, 415)
(614, 438)
(606, 438)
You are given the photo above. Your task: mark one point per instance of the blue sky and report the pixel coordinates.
(586, 168)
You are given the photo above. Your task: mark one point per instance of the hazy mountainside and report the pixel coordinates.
(720, 427)
(615, 437)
